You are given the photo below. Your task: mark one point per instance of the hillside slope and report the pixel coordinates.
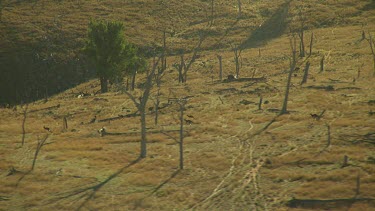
(237, 157)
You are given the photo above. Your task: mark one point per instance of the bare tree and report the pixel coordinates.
(141, 104)
(292, 65)
(184, 67)
(237, 59)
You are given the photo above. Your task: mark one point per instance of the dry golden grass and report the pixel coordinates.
(224, 150)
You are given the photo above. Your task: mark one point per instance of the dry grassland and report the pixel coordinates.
(236, 156)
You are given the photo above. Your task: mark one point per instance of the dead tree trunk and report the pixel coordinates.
(180, 69)
(302, 43)
(305, 73)
(293, 62)
(65, 124)
(237, 58)
(182, 103)
(164, 57)
(157, 103)
(132, 87)
(311, 43)
(23, 123)
(142, 111)
(321, 64)
(220, 67)
(141, 106)
(328, 135)
(103, 84)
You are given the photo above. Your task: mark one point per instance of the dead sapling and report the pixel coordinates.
(141, 104)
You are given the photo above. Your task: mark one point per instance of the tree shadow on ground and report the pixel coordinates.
(369, 6)
(139, 202)
(88, 193)
(272, 28)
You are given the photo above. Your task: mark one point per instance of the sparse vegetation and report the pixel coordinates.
(237, 152)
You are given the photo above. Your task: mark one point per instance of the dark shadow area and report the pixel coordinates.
(325, 204)
(22, 177)
(272, 28)
(266, 126)
(369, 6)
(165, 182)
(138, 203)
(87, 193)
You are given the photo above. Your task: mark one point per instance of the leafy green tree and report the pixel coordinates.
(108, 50)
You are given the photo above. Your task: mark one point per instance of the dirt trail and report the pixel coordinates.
(239, 189)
